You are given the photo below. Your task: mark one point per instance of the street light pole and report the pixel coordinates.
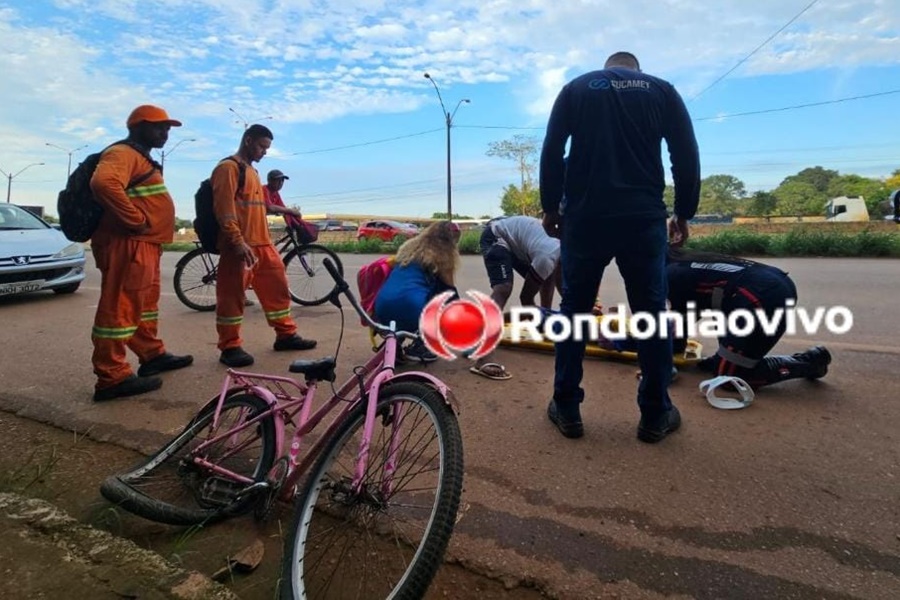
(69, 152)
(10, 176)
(163, 154)
(448, 120)
(241, 120)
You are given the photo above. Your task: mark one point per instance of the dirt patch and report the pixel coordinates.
(66, 468)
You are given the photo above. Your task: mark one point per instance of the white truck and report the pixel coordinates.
(846, 209)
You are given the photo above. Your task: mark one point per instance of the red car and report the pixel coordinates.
(386, 231)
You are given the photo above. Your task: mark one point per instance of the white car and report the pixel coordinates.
(34, 256)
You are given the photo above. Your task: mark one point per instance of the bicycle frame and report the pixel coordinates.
(286, 405)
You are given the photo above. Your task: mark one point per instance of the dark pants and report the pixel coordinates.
(639, 247)
(763, 288)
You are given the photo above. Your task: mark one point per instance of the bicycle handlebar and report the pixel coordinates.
(344, 288)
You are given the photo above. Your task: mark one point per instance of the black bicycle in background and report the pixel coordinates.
(308, 281)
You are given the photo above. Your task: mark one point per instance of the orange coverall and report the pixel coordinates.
(242, 219)
(128, 310)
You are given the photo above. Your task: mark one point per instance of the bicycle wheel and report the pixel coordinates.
(308, 280)
(171, 488)
(380, 542)
(195, 279)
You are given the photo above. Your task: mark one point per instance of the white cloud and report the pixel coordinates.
(70, 66)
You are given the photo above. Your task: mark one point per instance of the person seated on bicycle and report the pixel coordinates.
(424, 267)
(274, 203)
(728, 283)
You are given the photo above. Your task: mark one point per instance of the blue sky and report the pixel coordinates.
(350, 73)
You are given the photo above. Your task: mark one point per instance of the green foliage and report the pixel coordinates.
(179, 247)
(470, 242)
(735, 240)
(183, 224)
(893, 182)
(721, 194)
(762, 204)
(799, 242)
(515, 201)
(818, 177)
(669, 198)
(443, 215)
(796, 197)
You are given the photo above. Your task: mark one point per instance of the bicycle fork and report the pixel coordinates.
(362, 457)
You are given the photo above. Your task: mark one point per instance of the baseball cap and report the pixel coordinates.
(151, 114)
(276, 174)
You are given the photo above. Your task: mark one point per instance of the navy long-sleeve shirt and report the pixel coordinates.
(616, 119)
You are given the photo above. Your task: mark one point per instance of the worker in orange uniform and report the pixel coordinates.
(139, 216)
(247, 255)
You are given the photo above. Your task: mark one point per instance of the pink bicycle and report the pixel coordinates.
(376, 493)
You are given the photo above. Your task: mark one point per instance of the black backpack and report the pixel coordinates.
(79, 212)
(206, 226)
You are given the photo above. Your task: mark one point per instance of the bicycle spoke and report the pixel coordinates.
(367, 541)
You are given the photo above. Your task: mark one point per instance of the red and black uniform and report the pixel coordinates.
(241, 214)
(743, 284)
(128, 310)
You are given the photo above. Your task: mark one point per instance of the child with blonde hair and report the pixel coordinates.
(424, 267)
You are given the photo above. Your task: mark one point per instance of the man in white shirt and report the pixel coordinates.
(518, 244)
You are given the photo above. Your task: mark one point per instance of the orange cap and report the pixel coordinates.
(151, 114)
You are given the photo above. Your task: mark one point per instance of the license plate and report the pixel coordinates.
(19, 288)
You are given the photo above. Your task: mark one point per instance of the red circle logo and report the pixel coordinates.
(471, 328)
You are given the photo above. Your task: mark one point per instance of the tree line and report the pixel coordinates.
(802, 194)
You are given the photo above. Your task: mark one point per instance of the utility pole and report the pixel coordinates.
(70, 153)
(242, 121)
(9, 177)
(448, 121)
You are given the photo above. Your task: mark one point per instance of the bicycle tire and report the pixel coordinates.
(427, 556)
(125, 489)
(312, 277)
(194, 284)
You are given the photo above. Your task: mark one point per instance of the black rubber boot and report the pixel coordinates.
(811, 364)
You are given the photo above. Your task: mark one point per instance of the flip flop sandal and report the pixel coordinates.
(480, 371)
(709, 387)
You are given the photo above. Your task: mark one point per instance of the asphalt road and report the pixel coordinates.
(797, 496)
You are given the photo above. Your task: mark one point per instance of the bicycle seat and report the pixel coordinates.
(321, 369)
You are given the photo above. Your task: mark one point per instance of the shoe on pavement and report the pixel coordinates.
(418, 351)
(567, 420)
(294, 342)
(132, 386)
(655, 429)
(819, 357)
(236, 357)
(164, 362)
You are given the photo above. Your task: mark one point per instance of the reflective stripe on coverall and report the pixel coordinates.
(128, 311)
(270, 286)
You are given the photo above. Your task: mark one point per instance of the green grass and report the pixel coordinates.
(179, 247)
(800, 242)
(736, 241)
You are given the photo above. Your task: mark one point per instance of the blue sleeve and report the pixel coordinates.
(553, 168)
(684, 154)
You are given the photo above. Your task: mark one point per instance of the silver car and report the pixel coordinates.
(34, 256)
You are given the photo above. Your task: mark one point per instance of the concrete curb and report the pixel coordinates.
(55, 556)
